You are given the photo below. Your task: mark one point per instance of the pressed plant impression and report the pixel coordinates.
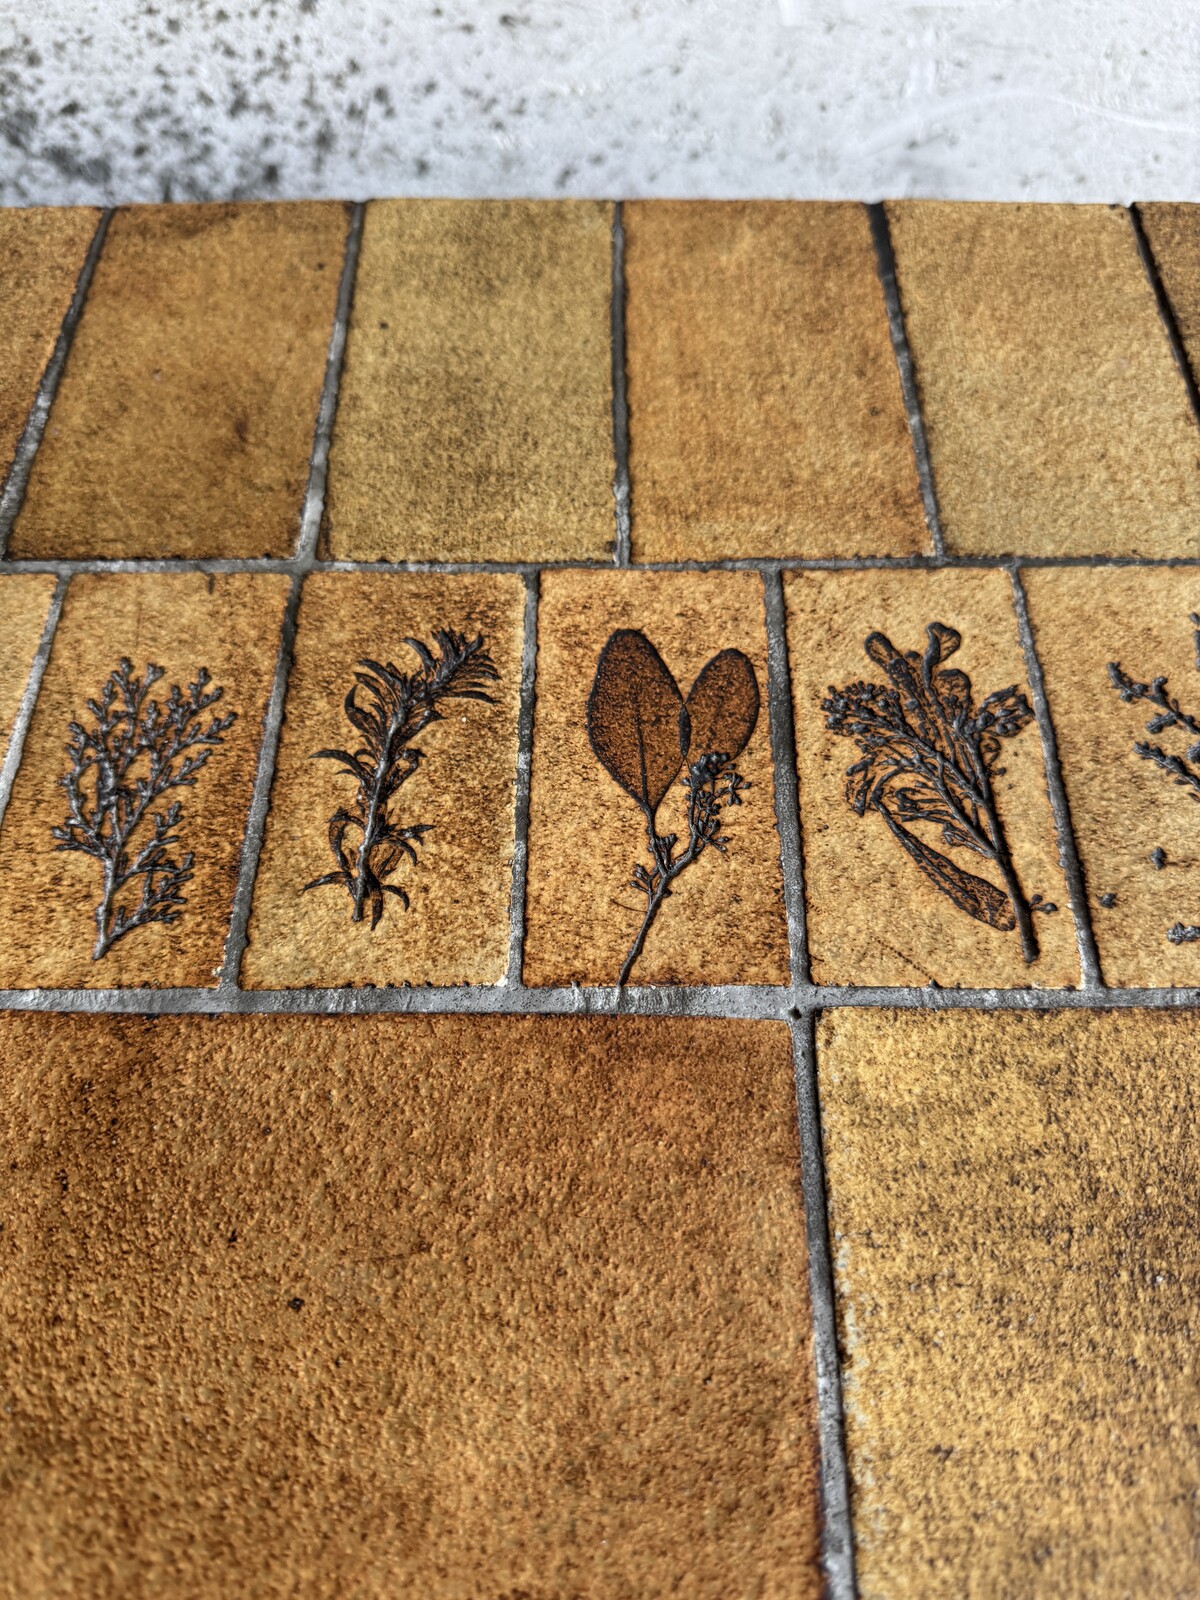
(367, 842)
(930, 760)
(644, 733)
(135, 751)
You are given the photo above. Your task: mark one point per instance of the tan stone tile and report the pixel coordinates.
(1124, 807)
(421, 1306)
(183, 425)
(1013, 1224)
(456, 929)
(724, 920)
(766, 417)
(1174, 235)
(24, 604)
(1058, 423)
(875, 916)
(475, 410)
(183, 623)
(42, 251)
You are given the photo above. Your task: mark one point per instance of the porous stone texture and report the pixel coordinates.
(1057, 420)
(456, 929)
(475, 410)
(436, 1307)
(873, 916)
(24, 603)
(1174, 235)
(183, 425)
(765, 411)
(724, 919)
(42, 252)
(182, 622)
(1013, 1225)
(1125, 808)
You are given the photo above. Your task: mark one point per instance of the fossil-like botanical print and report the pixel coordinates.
(133, 752)
(643, 732)
(929, 759)
(1168, 715)
(398, 707)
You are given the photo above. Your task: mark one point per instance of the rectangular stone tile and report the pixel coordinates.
(1012, 1212)
(1135, 822)
(165, 926)
(456, 927)
(765, 411)
(1057, 420)
(723, 918)
(24, 604)
(1174, 235)
(891, 899)
(42, 250)
(404, 1306)
(475, 410)
(183, 425)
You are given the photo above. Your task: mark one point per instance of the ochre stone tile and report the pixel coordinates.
(183, 425)
(1057, 420)
(1124, 807)
(1174, 235)
(475, 410)
(42, 251)
(724, 919)
(183, 622)
(404, 1306)
(875, 916)
(456, 929)
(765, 411)
(1012, 1210)
(24, 603)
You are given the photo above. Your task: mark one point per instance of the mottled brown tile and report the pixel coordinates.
(875, 916)
(724, 920)
(475, 411)
(1174, 235)
(183, 424)
(181, 622)
(1057, 420)
(24, 605)
(404, 1306)
(1014, 1234)
(456, 929)
(765, 412)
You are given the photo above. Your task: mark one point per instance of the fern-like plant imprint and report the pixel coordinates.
(398, 706)
(929, 758)
(133, 752)
(643, 732)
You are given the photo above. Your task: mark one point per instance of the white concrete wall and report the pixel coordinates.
(113, 100)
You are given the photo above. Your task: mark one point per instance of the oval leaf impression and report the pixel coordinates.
(723, 706)
(636, 718)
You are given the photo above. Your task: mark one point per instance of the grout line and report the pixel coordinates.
(24, 716)
(783, 747)
(621, 492)
(885, 259)
(837, 1541)
(1165, 310)
(520, 863)
(1068, 855)
(31, 437)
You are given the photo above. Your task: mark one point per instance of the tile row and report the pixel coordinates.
(931, 851)
(474, 419)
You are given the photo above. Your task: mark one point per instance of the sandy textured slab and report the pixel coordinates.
(24, 603)
(724, 919)
(456, 929)
(382, 1306)
(1012, 1205)
(183, 425)
(1174, 235)
(1057, 420)
(765, 412)
(874, 915)
(42, 249)
(1126, 808)
(228, 624)
(475, 410)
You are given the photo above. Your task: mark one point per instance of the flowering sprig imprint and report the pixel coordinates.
(135, 750)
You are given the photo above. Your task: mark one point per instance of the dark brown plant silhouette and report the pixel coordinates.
(930, 758)
(643, 732)
(399, 706)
